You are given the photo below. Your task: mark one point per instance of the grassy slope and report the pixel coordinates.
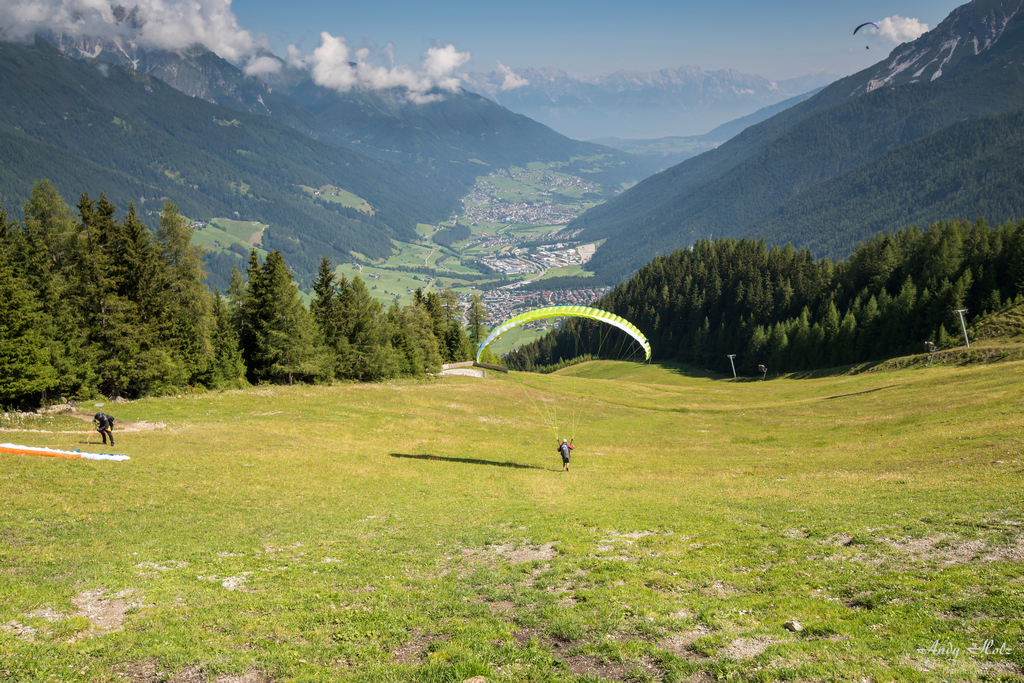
(370, 532)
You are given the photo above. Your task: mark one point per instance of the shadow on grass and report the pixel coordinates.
(685, 370)
(468, 461)
(858, 393)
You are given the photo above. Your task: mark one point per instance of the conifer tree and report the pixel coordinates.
(188, 303)
(106, 329)
(236, 297)
(755, 354)
(147, 360)
(25, 366)
(456, 343)
(413, 337)
(278, 342)
(325, 305)
(846, 340)
(477, 317)
(227, 369)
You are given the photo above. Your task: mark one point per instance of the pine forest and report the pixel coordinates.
(781, 309)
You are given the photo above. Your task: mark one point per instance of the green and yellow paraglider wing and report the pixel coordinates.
(567, 312)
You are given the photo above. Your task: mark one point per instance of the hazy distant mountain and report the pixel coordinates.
(670, 102)
(674, 149)
(849, 147)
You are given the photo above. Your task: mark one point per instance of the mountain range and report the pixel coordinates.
(931, 132)
(926, 134)
(197, 131)
(675, 149)
(683, 101)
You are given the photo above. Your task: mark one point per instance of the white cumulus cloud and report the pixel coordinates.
(512, 79)
(179, 24)
(156, 24)
(334, 65)
(262, 66)
(897, 29)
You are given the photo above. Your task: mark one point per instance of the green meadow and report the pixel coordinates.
(222, 233)
(424, 531)
(337, 195)
(517, 337)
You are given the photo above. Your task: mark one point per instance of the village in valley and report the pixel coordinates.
(491, 200)
(504, 303)
(511, 236)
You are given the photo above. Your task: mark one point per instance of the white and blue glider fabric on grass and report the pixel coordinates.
(567, 312)
(15, 449)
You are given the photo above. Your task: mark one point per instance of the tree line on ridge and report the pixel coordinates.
(779, 307)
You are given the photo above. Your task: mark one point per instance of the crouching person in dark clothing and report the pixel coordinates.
(105, 423)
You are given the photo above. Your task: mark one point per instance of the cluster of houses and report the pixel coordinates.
(519, 261)
(524, 213)
(484, 204)
(502, 304)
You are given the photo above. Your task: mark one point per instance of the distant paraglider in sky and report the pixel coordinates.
(866, 23)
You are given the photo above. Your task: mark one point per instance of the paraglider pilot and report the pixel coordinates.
(104, 424)
(564, 449)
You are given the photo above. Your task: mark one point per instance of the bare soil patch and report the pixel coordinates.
(586, 665)
(415, 651)
(679, 644)
(150, 672)
(104, 614)
(501, 606)
(950, 550)
(509, 554)
(523, 636)
(747, 648)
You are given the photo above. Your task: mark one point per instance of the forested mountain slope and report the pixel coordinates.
(849, 123)
(970, 169)
(92, 125)
(463, 135)
(198, 72)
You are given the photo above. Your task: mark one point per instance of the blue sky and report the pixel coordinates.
(776, 40)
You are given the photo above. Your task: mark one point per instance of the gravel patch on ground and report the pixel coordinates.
(510, 554)
(151, 672)
(747, 648)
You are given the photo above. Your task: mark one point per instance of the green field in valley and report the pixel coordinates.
(423, 531)
(518, 336)
(221, 233)
(336, 195)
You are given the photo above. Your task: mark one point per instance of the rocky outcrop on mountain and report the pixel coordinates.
(968, 38)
